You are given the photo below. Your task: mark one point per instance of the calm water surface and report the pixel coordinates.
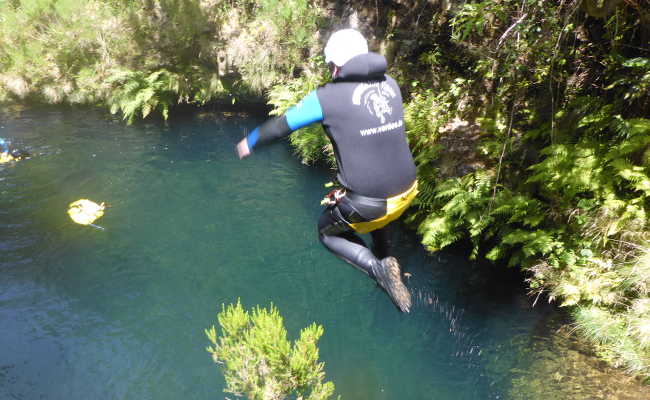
(120, 313)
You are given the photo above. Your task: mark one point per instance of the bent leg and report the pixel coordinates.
(337, 236)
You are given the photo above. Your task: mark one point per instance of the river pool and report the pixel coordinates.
(119, 313)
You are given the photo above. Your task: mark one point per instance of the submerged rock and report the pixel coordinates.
(555, 364)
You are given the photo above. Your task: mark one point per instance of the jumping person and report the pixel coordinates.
(362, 113)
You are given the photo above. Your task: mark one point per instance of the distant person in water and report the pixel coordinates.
(361, 111)
(7, 155)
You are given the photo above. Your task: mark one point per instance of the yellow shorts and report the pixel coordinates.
(395, 207)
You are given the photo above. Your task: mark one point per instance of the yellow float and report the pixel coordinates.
(5, 157)
(85, 212)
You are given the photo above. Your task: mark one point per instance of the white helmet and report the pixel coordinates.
(343, 45)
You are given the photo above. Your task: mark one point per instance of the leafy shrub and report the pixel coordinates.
(258, 360)
(555, 178)
(142, 56)
(139, 92)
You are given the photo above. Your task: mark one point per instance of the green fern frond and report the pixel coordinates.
(637, 140)
(496, 253)
(634, 174)
(449, 189)
(478, 223)
(438, 232)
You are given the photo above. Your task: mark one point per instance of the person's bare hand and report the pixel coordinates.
(242, 149)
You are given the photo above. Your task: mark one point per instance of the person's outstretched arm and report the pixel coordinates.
(302, 114)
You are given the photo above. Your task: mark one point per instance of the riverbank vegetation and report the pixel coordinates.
(528, 119)
(143, 56)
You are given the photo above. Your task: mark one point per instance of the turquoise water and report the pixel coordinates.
(120, 313)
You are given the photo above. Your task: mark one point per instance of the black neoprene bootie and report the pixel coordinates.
(389, 276)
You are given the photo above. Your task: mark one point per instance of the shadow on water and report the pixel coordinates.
(120, 313)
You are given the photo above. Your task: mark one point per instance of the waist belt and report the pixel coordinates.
(395, 206)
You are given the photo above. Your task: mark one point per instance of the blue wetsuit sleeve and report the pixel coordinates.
(252, 137)
(306, 112)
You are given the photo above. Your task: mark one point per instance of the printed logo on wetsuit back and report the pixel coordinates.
(375, 98)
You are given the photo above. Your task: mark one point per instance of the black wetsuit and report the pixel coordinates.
(362, 113)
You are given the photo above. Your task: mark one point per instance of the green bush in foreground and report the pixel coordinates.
(258, 360)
